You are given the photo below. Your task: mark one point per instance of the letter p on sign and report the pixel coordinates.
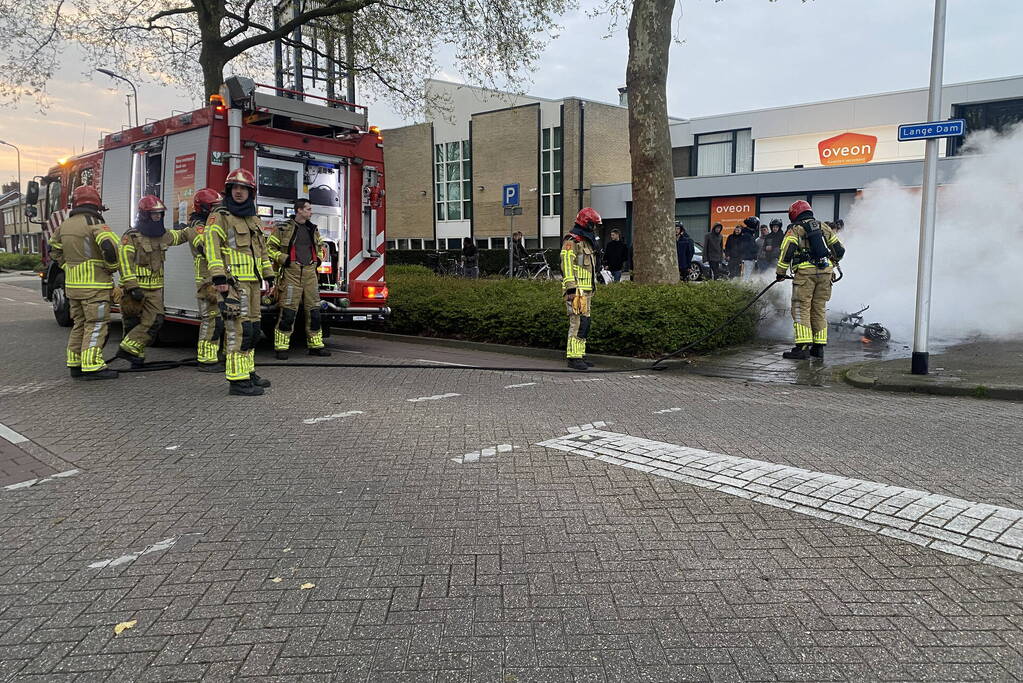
(510, 195)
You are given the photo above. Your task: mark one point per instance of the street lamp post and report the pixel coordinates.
(110, 73)
(2, 142)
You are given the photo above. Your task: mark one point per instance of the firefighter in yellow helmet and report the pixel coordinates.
(86, 250)
(579, 268)
(238, 263)
(297, 249)
(810, 248)
(142, 254)
(211, 325)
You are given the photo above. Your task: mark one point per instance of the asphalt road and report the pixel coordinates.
(397, 524)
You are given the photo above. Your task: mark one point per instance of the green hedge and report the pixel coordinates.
(20, 261)
(628, 319)
(491, 260)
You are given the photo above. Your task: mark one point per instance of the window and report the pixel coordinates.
(722, 153)
(498, 242)
(483, 243)
(392, 244)
(52, 198)
(550, 171)
(429, 244)
(452, 163)
(416, 243)
(695, 217)
(454, 243)
(998, 116)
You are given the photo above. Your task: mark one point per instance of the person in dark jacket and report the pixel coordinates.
(748, 246)
(616, 255)
(713, 250)
(772, 243)
(686, 251)
(470, 258)
(734, 251)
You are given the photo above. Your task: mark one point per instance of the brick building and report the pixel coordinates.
(16, 233)
(444, 177)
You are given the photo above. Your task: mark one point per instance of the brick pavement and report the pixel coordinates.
(526, 565)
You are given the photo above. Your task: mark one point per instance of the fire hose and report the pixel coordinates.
(655, 365)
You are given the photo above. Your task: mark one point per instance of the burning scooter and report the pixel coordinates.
(872, 333)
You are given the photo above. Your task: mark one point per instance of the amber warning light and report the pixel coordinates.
(373, 292)
(217, 102)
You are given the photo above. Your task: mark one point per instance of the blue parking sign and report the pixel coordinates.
(510, 195)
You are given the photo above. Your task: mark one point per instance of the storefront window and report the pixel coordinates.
(997, 116)
(723, 153)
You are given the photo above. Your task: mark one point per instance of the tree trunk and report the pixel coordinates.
(653, 188)
(212, 55)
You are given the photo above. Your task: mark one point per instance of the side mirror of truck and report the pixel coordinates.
(32, 193)
(30, 211)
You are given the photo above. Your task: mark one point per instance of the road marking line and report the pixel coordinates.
(11, 435)
(10, 299)
(36, 482)
(441, 362)
(131, 557)
(667, 410)
(524, 384)
(641, 376)
(991, 534)
(335, 416)
(431, 398)
(595, 379)
(483, 453)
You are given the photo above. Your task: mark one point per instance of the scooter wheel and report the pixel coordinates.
(877, 332)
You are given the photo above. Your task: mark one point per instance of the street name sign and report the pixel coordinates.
(934, 129)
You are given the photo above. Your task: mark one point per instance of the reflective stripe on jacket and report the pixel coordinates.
(86, 249)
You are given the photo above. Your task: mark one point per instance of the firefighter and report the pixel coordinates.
(86, 250)
(810, 248)
(142, 255)
(238, 263)
(296, 249)
(579, 266)
(211, 325)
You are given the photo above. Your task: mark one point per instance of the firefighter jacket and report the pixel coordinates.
(86, 249)
(795, 250)
(578, 263)
(282, 244)
(195, 235)
(236, 247)
(142, 258)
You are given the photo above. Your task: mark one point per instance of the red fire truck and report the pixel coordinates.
(297, 145)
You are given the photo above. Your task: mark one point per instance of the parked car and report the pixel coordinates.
(698, 269)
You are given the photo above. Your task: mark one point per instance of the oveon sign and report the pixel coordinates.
(847, 148)
(731, 211)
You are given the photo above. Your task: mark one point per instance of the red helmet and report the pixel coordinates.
(151, 202)
(797, 208)
(204, 199)
(587, 216)
(85, 194)
(240, 176)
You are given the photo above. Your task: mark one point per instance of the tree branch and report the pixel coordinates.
(329, 9)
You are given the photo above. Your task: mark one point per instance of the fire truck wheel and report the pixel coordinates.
(61, 306)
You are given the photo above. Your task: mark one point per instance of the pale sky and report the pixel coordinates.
(736, 55)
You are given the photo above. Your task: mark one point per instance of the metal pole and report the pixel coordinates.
(511, 246)
(925, 261)
(127, 101)
(135, 90)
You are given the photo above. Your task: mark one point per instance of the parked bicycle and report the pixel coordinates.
(535, 267)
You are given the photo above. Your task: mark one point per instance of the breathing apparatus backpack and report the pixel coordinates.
(817, 251)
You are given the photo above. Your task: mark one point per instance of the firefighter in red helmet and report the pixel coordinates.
(579, 268)
(238, 263)
(211, 325)
(811, 249)
(88, 280)
(142, 254)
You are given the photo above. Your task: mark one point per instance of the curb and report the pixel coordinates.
(527, 351)
(858, 376)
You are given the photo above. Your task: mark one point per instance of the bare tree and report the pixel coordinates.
(190, 43)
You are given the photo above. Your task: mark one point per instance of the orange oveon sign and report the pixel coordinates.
(732, 211)
(847, 148)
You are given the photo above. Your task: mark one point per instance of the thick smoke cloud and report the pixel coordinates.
(978, 250)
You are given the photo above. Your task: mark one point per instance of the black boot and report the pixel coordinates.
(817, 351)
(244, 387)
(322, 352)
(259, 381)
(105, 373)
(281, 355)
(578, 364)
(76, 373)
(588, 363)
(135, 361)
(798, 352)
(209, 367)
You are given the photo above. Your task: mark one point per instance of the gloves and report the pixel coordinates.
(220, 279)
(577, 304)
(136, 293)
(269, 282)
(780, 277)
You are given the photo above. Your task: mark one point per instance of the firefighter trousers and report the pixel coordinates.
(811, 290)
(242, 333)
(90, 310)
(578, 325)
(298, 287)
(211, 331)
(140, 331)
